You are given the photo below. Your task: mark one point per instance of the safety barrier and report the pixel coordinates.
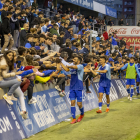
(49, 110)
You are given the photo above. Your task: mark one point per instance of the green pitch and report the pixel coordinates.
(121, 123)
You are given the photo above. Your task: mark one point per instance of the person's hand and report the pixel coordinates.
(61, 75)
(9, 34)
(19, 79)
(3, 67)
(19, 17)
(19, 72)
(53, 75)
(34, 70)
(24, 79)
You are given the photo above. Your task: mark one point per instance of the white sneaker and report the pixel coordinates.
(64, 93)
(8, 99)
(25, 93)
(32, 101)
(57, 88)
(24, 114)
(13, 98)
(130, 98)
(61, 94)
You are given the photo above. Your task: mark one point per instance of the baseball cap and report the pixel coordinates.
(110, 59)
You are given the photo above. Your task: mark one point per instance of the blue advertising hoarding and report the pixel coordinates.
(49, 110)
(10, 126)
(83, 3)
(111, 12)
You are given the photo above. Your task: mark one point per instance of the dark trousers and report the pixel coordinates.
(61, 82)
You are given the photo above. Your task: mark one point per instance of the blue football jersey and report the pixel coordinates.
(138, 66)
(77, 78)
(105, 79)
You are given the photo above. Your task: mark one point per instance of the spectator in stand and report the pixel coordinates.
(68, 11)
(138, 23)
(29, 38)
(110, 22)
(61, 38)
(23, 34)
(28, 3)
(54, 30)
(60, 10)
(7, 32)
(121, 22)
(12, 81)
(62, 28)
(1, 7)
(105, 35)
(23, 19)
(4, 12)
(23, 6)
(34, 4)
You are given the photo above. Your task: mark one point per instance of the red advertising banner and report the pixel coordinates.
(130, 41)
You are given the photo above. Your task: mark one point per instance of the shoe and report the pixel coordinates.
(99, 111)
(32, 101)
(57, 88)
(137, 94)
(25, 93)
(61, 94)
(107, 110)
(13, 98)
(128, 97)
(88, 91)
(24, 114)
(73, 121)
(8, 99)
(80, 118)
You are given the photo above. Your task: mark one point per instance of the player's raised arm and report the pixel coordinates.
(124, 67)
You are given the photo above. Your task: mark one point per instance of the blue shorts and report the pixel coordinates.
(138, 79)
(76, 94)
(130, 82)
(104, 90)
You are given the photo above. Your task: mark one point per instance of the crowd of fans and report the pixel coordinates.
(38, 46)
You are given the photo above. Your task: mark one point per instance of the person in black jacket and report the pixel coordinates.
(4, 12)
(62, 27)
(121, 22)
(23, 19)
(16, 30)
(23, 34)
(30, 15)
(61, 38)
(7, 32)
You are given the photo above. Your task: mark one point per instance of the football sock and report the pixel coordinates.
(73, 111)
(100, 105)
(132, 90)
(137, 89)
(82, 110)
(128, 90)
(108, 105)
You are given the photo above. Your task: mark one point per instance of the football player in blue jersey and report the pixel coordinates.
(138, 79)
(76, 86)
(104, 83)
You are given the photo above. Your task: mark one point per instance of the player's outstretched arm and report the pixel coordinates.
(64, 67)
(124, 67)
(73, 67)
(95, 73)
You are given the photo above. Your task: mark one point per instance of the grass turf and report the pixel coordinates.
(121, 123)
